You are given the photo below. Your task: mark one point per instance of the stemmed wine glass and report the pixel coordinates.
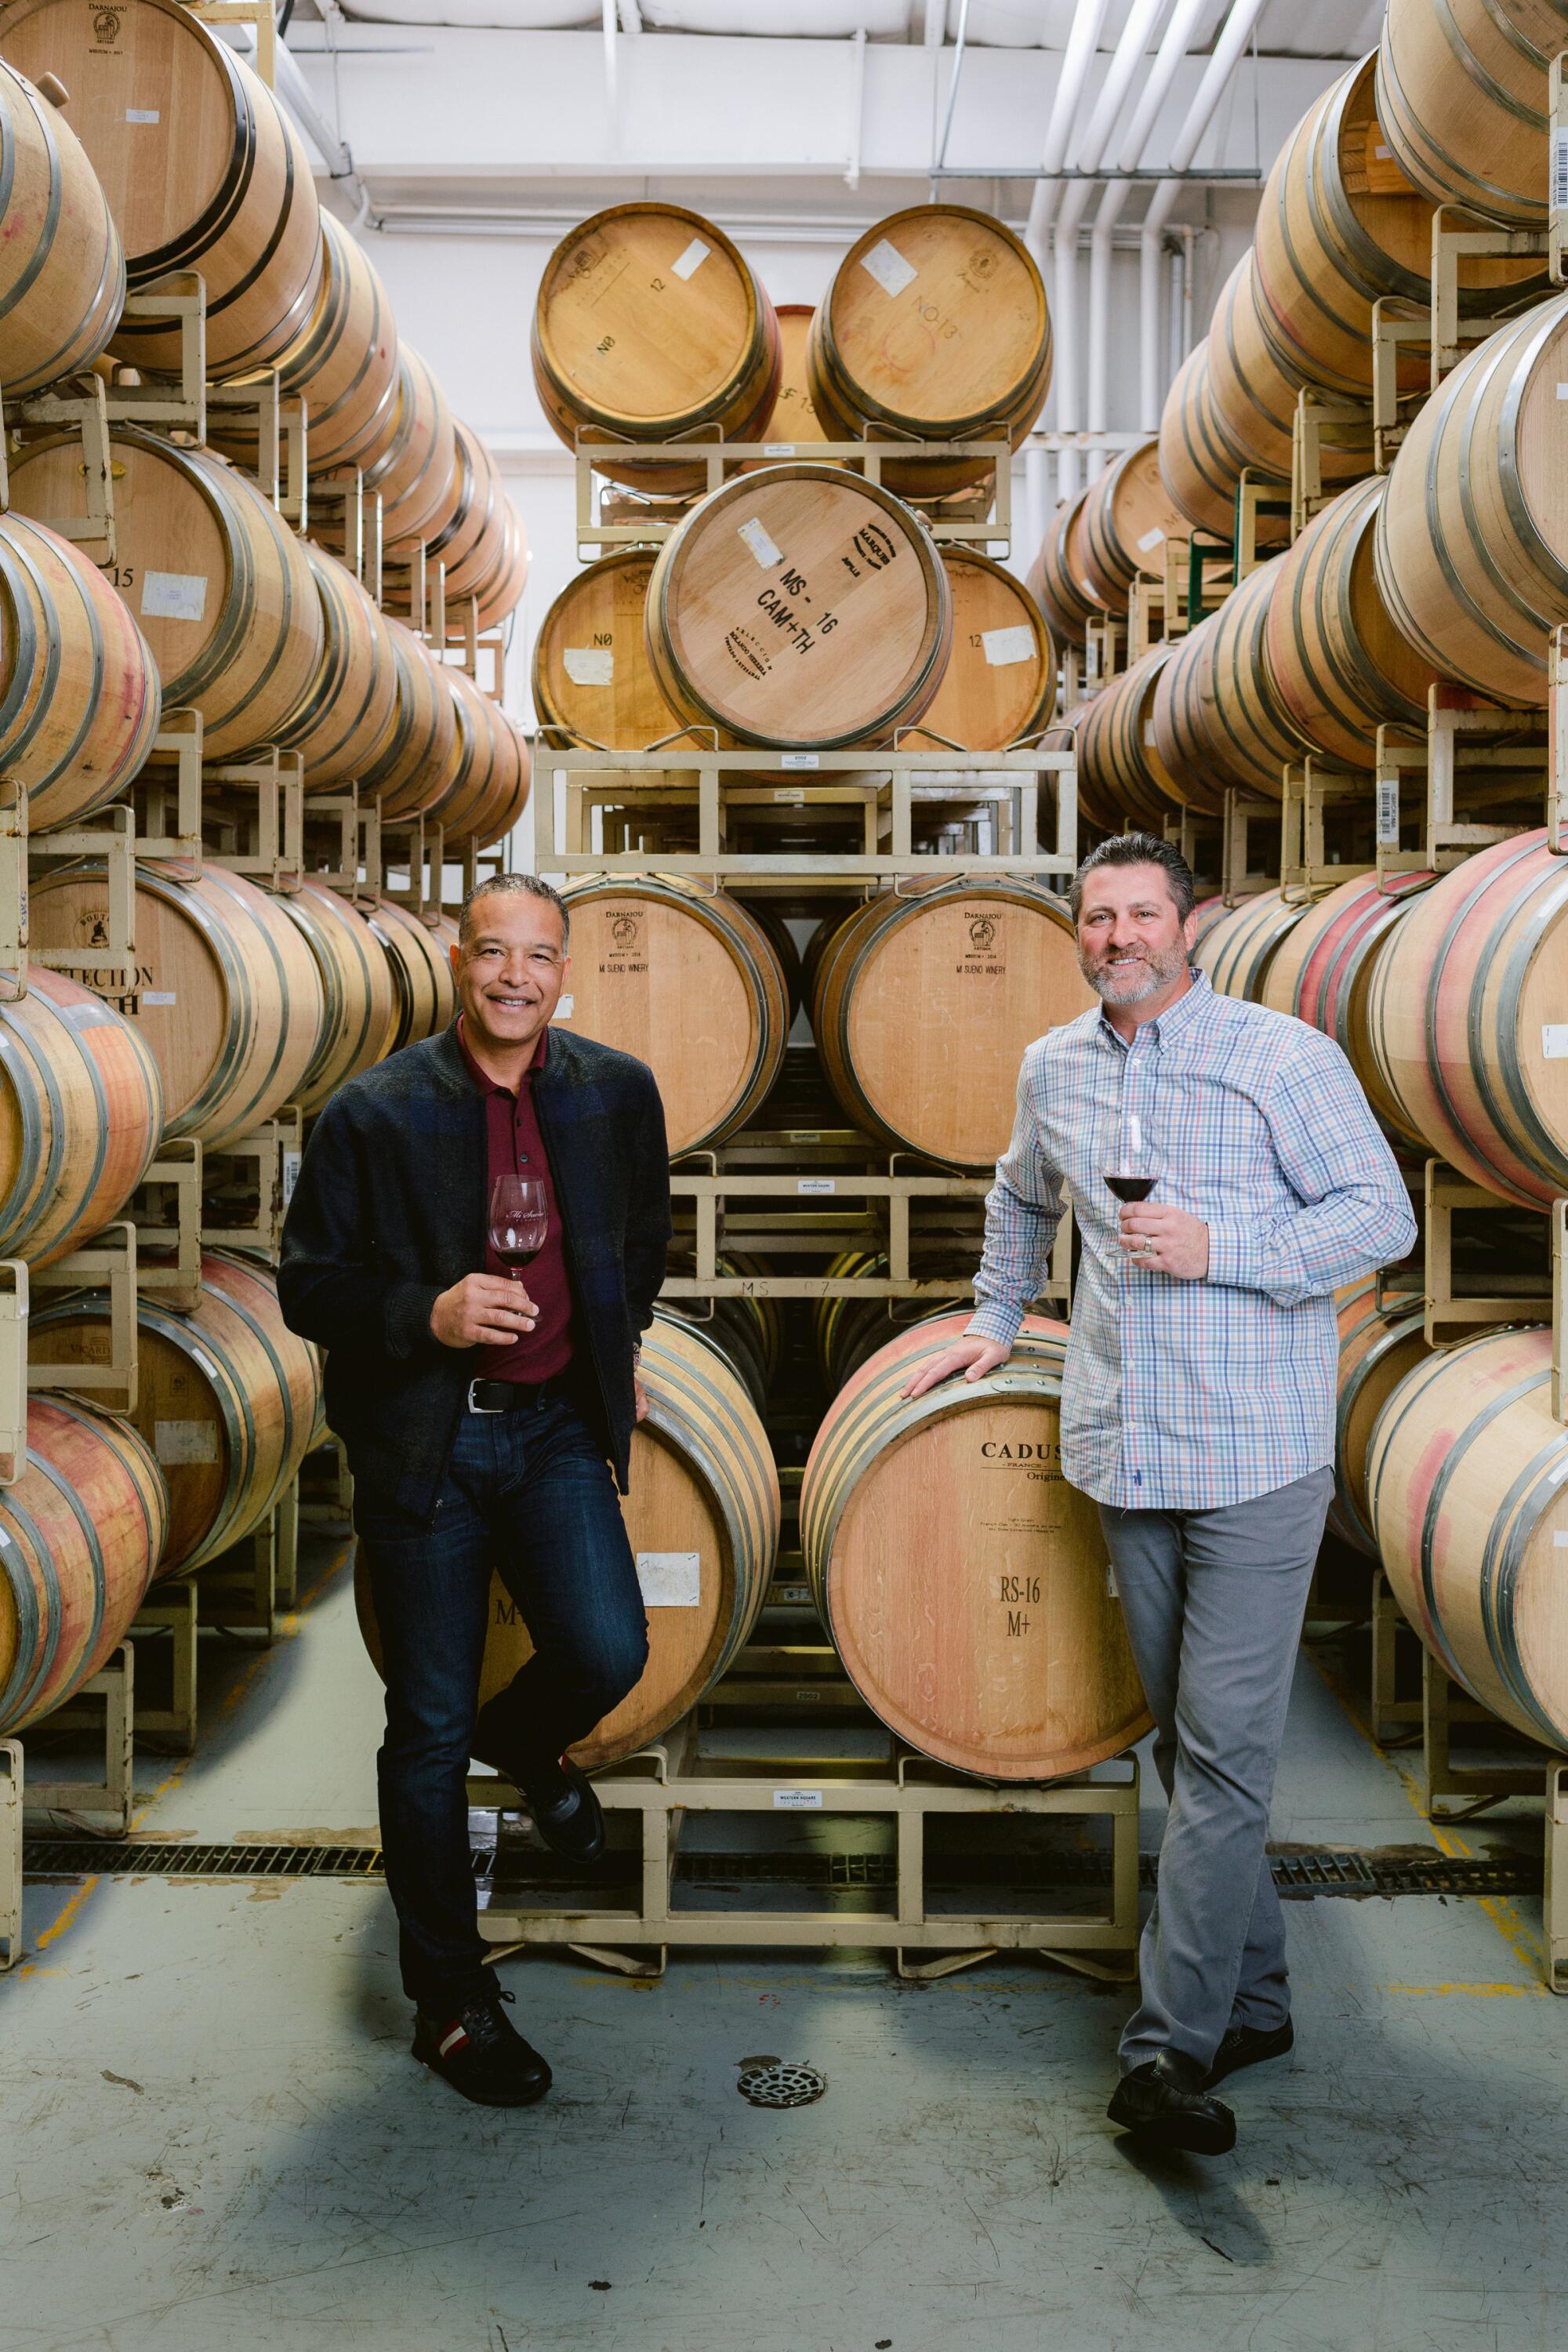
(520, 1220)
(1136, 1165)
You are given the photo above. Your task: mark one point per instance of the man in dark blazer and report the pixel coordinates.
(483, 1419)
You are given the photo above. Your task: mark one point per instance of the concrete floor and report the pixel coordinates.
(211, 2131)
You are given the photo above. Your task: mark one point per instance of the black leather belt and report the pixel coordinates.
(511, 1396)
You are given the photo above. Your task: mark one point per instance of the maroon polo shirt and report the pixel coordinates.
(517, 1148)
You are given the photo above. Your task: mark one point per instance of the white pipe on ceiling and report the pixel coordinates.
(1227, 52)
(1083, 39)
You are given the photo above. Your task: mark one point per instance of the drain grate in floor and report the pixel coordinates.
(1330, 1870)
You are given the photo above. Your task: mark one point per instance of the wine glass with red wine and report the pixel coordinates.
(520, 1220)
(1136, 1165)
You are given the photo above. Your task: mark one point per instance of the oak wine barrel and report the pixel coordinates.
(1208, 913)
(83, 1525)
(1464, 1014)
(424, 1000)
(794, 419)
(1472, 534)
(483, 546)
(344, 362)
(1216, 720)
(1254, 393)
(227, 1398)
(489, 788)
(847, 1331)
(1378, 1344)
(1197, 461)
(1321, 971)
(593, 680)
(703, 1518)
(799, 606)
(418, 758)
(750, 1331)
(1000, 684)
(923, 1005)
(220, 585)
(227, 997)
(1339, 224)
(62, 267)
(651, 326)
(1467, 1500)
(687, 979)
(1338, 664)
(1238, 950)
(349, 717)
(935, 327)
(1059, 577)
(1094, 805)
(962, 1579)
(201, 167)
(81, 1113)
(357, 990)
(80, 697)
(1128, 516)
(1462, 99)
(413, 464)
(1118, 753)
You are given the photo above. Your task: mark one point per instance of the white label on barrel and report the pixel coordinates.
(888, 267)
(589, 665)
(1388, 812)
(1562, 392)
(1110, 1581)
(1088, 586)
(174, 595)
(670, 1579)
(563, 1010)
(290, 1175)
(761, 545)
(799, 760)
(1005, 647)
(778, 448)
(1560, 1538)
(159, 996)
(797, 1800)
(175, 1441)
(141, 114)
(1150, 539)
(1560, 170)
(815, 1184)
(792, 794)
(1383, 154)
(692, 259)
(1554, 1040)
(1149, 732)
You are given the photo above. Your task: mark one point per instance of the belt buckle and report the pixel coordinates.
(473, 1384)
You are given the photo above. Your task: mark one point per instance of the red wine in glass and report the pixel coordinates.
(520, 1220)
(1136, 1167)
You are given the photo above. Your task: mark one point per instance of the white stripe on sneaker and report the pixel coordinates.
(454, 2041)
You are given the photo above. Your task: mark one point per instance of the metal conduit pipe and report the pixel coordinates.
(1228, 50)
(1129, 54)
(1083, 39)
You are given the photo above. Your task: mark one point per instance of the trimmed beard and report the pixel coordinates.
(1158, 973)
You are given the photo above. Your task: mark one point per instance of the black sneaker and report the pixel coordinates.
(1166, 2105)
(482, 2055)
(1249, 2046)
(567, 1813)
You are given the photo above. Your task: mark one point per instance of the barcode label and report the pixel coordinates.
(290, 1175)
(1388, 812)
(797, 1800)
(1560, 171)
(761, 545)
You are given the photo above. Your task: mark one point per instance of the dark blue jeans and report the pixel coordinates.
(529, 1495)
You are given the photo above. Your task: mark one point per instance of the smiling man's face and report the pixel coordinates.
(1131, 941)
(510, 970)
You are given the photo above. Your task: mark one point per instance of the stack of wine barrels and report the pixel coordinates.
(702, 1516)
(962, 1579)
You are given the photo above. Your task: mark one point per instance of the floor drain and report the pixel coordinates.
(781, 2085)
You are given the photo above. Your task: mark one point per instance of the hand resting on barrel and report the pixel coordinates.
(974, 1356)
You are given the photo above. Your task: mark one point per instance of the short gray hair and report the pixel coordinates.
(1138, 849)
(513, 886)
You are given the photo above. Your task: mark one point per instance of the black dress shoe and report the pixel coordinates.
(1249, 2046)
(482, 2055)
(1165, 2104)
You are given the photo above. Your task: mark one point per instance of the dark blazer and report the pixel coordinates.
(389, 1210)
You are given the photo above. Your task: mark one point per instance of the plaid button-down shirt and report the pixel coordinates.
(1182, 1395)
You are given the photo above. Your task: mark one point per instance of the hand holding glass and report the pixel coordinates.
(1136, 1166)
(520, 1220)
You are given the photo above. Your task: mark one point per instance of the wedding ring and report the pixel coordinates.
(1149, 1246)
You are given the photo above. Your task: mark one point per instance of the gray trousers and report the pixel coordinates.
(1213, 1601)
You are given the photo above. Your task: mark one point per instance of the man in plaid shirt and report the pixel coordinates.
(1197, 1410)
